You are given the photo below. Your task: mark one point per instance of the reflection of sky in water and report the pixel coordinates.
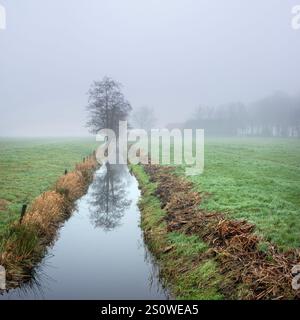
(100, 253)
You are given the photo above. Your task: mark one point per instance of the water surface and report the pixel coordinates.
(100, 252)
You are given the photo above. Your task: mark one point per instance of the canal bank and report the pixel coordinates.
(184, 266)
(207, 255)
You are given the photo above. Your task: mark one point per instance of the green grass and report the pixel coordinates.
(29, 167)
(187, 274)
(201, 283)
(24, 240)
(187, 246)
(253, 179)
(257, 180)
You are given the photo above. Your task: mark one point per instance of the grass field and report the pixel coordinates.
(253, 179)
(30, 166)
(257, 180)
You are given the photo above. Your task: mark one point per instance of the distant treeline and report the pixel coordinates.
(277, 115)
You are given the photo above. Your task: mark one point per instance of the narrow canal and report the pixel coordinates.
(100, 251)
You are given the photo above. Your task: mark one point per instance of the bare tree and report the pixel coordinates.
(107, 105)
(144, 118)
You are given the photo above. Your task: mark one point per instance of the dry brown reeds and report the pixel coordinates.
(45, 213)
(266, 273)
(19, 247)
(72, 186)
(87, 168)
(24, 242)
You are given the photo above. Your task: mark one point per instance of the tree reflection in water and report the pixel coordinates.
(109, 197)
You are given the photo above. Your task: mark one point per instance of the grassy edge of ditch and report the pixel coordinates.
(186, 266)
(204, 255)
(24, 243)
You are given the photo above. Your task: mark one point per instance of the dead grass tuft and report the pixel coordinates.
(18, 246)
(45, 213)
(87, 168)
(4, 204)
(72, 185)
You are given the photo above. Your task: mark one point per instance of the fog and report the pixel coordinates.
(170, 55)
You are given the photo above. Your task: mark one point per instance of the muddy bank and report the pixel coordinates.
(25, 242)
(247, 269)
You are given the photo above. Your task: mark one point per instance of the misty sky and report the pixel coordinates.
(171, 55)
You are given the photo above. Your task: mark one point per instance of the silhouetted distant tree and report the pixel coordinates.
(144, 118)
(277, 115)
(226, 119)
(107, 105)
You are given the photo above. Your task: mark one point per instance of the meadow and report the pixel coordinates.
(257, 179)
(244, 178)
(29, 167)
